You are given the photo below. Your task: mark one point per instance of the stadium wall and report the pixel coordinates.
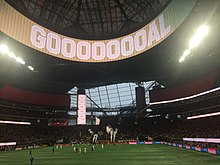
(194, 87)
(10, 93)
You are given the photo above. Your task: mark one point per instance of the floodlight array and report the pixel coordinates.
(200, 34)
(5, 51)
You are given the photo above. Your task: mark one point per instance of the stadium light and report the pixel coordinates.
(12, 55)
(20, 60)
(31, 68)
(149, 110)
(3, 48)
(198, 37)
(181, 59)
(185, 54)
(194, 42)
(200, 34)
(152, 116)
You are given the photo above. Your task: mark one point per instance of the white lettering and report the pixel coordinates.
(72, 48)
(53, 43)
(100, 50)
(38, 37)
(127, 46)
(83, 50)
(139, 46)
(95, 47)
(163, 31)
(153, 33)
(113, 49)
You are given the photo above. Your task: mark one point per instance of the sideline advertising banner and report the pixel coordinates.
(198, 148)
(212, 151)
(188, 147)
(132, 142)
(192, 147)
(204, 149)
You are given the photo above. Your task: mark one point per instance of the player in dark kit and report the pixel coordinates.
(53, 149)
(31, 160)
(30, 153)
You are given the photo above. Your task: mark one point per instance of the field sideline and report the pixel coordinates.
(111, 155)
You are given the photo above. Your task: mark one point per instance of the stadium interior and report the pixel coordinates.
(165, 93)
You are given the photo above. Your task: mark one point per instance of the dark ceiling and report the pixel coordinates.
(159, 63)
(91, 19)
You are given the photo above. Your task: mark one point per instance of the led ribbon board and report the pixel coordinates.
(8, 144)
(40, 38)
(204, 140)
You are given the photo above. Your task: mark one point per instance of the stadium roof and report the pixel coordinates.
(159, 63)
(91, 19)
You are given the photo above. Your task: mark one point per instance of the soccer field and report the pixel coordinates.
(112, 154)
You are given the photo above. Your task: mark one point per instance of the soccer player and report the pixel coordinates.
(114, 134)
(31, 160)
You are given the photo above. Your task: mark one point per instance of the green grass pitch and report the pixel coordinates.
(111, 155)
